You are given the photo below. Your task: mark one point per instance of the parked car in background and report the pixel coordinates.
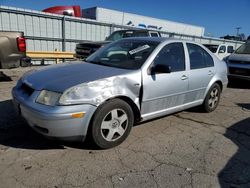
(221, 51)
(86, 48)
(239, 62)
(12, 49)
(127, 81)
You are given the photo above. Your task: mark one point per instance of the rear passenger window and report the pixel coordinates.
(199, 58)
(172, 55)
(208, 59)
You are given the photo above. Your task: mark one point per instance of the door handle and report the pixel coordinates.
(210, 73)
(184, 77)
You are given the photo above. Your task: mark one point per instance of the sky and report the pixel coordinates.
(218, 17)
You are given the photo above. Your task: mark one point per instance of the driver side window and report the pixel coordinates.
(172, 55)
(222, 49)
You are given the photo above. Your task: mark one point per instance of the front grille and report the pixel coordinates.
(26, 89)
(239, 62)
(239, 71)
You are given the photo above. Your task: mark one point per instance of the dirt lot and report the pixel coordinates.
(187, 149)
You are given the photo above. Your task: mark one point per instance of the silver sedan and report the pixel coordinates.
(125, 82)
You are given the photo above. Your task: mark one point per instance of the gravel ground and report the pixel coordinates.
(186, 149)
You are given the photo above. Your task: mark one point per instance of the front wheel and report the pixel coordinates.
(112, 123)
(212, 99)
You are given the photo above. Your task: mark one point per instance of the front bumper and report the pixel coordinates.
(237, 76)
(54, 122)
(239, 71)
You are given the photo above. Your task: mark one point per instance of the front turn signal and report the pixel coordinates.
(78, 115)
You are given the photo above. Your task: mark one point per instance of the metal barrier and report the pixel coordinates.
(50, 55)
(47, 32)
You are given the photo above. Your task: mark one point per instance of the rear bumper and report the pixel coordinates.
(25, 61)
(82, 55)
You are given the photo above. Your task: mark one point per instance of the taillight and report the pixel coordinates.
(21, 44)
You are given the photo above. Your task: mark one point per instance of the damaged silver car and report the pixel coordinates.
(125, 82)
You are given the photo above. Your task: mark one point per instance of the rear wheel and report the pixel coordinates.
(212, 99)
(112, 123)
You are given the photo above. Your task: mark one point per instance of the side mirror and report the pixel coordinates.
(160, 68)
(221, 51)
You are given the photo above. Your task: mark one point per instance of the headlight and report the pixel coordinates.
(92, 92)
(77, 95)
(48, 98)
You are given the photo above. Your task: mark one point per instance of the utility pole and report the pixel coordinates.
(237, 30)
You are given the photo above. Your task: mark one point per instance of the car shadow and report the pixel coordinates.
(4, 77)
(244, 106)
(236, 172)
(238, 84)
(16, 133)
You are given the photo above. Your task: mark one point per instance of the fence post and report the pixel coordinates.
(63, 34)
(111, 30)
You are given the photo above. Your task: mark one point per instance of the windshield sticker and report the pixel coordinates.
(139, 49)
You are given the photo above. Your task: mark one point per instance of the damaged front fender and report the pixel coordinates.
(97, 92)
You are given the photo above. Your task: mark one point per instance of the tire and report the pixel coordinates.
(112, 123)
(25, 62)
(212, 98)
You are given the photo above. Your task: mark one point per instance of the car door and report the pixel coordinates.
(222, 52)
(230, 49)
(163, 91)
(201, 72)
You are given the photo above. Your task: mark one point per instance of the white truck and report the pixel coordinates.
(220, 50)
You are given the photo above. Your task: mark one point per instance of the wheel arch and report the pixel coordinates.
(211, 83)
(135, 109)
(220, 84)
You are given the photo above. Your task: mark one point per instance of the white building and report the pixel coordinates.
(123, 18)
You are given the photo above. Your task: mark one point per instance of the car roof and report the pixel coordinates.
(136, 29)
(158, 39)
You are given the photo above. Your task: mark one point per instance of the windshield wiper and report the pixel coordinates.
(94, 62)
(99, 63)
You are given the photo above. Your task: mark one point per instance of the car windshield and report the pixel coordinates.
(212, 48)
(243, 49)
(119, 35)
(125, 54)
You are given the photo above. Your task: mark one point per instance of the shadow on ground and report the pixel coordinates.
(4, 77)
(244, 106)
(15, 132)
(239, 84)
(236, 173)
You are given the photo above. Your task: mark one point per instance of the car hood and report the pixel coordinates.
(58, 78)
(239, 57)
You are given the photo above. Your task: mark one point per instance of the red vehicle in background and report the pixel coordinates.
(65, 10)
